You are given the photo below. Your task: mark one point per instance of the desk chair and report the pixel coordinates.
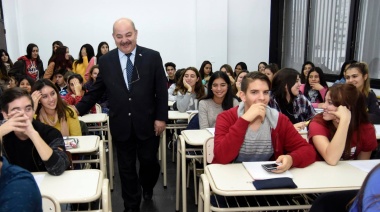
(50, 203)
(184, 153)
(99, 122)
(245, 203)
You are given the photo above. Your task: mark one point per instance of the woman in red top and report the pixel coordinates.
(76, 91)
(343, 130)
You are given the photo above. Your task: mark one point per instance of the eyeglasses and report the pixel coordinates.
(137, 72)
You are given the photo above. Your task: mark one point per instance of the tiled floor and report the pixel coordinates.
(163, 199)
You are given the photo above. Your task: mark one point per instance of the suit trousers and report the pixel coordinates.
(131, 182)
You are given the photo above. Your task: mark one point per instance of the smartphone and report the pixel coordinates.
(270, 167)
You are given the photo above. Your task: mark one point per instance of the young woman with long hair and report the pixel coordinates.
(5, 65)
(29, 64)
(270, 70)
(189, 90)
(287, 99)
(357, 74)
(239, 67)
(236, 88)
(103, 48)
(228, 70)
(261, 67)
(343, 130)
(219, 98)
(315, 87)
(54, 46)
(205, 71)
(306, 67)
(60, 61)
(53, 111)
(86, 59)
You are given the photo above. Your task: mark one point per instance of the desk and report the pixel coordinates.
(316, 178)
(89, 145)
(172, 115)
(194, 138)
(74, 186)
(103, 120)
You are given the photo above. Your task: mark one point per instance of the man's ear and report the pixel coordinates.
(242, 96)
(5, 115)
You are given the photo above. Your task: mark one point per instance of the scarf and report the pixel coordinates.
(45, 119)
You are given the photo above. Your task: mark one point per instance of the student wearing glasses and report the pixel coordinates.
(28, 143)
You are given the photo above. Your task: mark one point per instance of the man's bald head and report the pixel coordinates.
(123, 21)
(125, 35)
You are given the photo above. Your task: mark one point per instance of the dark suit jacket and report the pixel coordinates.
(145, 103)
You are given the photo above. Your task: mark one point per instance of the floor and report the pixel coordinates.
(163, 199)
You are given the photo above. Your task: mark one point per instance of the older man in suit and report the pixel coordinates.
(134, 80)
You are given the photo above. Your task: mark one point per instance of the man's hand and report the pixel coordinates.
(159, 127)
(286, 162)
(17, 122)
(257, 110)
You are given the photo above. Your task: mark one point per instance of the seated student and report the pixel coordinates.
(170, 71)
(76, 90)
(306, 67)
(287, 99)
(315, 87)
(219, 98)
(341, 79)
(368, 198)
(53, 111)
(172, 87)
(26, 142)
(189, 90)
(261, 67)
(270, 70)
(205, 72)
(357, 74)
(60, 82)
(103, 102)
(228, 70)
(255, 132)
(236, 88)
(25, 82)
(343, 130)
(239, 67)
(85, 61)
(18, 189)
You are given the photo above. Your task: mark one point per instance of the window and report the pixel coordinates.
(367, 46)
(328, 32)
(295, 34)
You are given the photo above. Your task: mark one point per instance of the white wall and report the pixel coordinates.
(186, 32)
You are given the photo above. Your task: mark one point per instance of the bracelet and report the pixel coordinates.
(189, 92)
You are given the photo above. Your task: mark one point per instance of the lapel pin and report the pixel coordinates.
(140, 54)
